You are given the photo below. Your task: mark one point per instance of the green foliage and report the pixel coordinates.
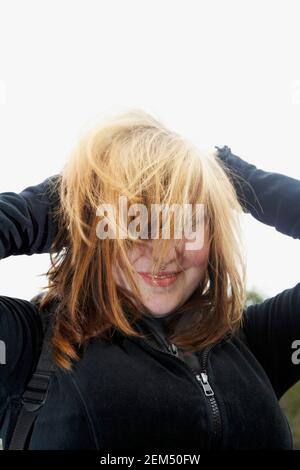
(253, 297)
(290, 404)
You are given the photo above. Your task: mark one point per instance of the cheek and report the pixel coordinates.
(116, 274)
(117, 271)
(134, 254)
(196, 258)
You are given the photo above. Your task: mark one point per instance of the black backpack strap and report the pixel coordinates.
(36, 391)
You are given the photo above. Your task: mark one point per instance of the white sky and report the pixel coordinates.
(218, 72)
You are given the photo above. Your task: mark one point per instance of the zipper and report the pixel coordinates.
(201, 380)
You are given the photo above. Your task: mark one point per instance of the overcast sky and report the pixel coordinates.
(218, 72)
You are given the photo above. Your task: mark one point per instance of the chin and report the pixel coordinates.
(157, 312)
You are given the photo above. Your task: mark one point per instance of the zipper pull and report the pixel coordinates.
(203, 379)
(173, 349)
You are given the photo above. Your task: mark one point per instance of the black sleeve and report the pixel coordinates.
(272, 326)
(272, 198)
(21, 334)
(28, 220)
(28, 225)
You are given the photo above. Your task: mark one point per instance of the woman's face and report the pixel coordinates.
(165, 295)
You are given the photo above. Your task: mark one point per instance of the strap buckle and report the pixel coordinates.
(36, 391)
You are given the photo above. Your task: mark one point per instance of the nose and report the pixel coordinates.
(175, 250)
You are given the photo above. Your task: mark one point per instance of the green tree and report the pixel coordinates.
(253, 297)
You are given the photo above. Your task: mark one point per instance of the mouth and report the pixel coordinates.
(162, 279)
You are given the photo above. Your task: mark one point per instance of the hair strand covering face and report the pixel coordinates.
(137, 156)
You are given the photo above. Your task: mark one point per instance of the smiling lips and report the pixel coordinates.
(162, 279)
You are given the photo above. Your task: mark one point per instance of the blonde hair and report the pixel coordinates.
(136, 155)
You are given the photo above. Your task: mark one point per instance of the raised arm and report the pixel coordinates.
(272, 198)
(28, 222)
(28, 225)
(273, 326)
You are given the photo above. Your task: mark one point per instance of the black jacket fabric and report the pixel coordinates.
(136, 394)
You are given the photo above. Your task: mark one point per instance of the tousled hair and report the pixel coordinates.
(136, 155)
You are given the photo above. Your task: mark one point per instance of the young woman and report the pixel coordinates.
(152, 346)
